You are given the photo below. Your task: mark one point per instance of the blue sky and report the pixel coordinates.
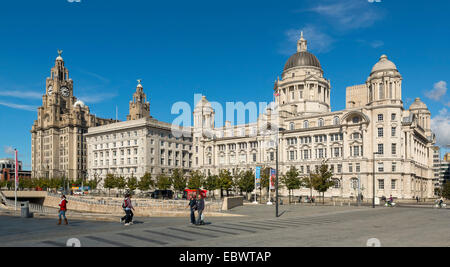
(227, 50)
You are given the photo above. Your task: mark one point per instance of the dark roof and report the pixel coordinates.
(302, 59)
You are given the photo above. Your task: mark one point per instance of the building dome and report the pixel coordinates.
(418, 104)
(79, 103)
(302, 59)
(384, 64)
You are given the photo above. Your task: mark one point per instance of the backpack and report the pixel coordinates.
(124, 204)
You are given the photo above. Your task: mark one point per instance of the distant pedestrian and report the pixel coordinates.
(417, 199)
(192, 205)
(200, 208)
(128, 207)
(63, 209)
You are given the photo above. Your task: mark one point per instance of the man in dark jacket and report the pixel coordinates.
(200, 208)
(193, 206)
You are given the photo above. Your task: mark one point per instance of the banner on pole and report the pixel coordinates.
(272, 179)
(258, 177)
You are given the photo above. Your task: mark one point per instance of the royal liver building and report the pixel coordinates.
(374, 136)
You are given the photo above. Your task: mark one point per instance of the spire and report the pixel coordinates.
(139, 83)
(59, 55)
(301, 44)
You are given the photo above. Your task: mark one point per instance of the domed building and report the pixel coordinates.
(374, 139)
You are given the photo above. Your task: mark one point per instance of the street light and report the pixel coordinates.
(276, 172)
(373, 182)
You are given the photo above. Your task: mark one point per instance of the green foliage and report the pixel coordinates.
(121, 182)
(211, 182)
(93, 183)
(179, 180)
(196, 180)
(146, 182)
(246, 181)
(110, 181)
(225, 180)
(163, 182)
(132, 183)
(322, 180)
(291, 180)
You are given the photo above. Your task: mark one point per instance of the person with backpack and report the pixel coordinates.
(62, 209)
(128, 207)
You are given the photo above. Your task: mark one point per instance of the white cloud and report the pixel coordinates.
(22, 94)
(19, 106)
(317, 41)
(439, 90)
(440, 124)
(9, 150)
(349, 14)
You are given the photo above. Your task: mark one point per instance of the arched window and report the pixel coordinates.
(356, 119)
(305, 124)
(336, 120)
(321, 123)
(291, 126)
(337, 183)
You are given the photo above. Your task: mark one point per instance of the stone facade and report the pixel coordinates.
(58, 144)
(374, 120)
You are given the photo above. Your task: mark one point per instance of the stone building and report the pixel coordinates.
(309, 133)
(58, 142)
(139, 145)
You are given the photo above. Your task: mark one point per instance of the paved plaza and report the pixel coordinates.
(258, 227)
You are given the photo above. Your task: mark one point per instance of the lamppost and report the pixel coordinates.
(276, 171)
(373, 182)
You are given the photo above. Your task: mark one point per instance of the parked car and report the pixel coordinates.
(164, 194)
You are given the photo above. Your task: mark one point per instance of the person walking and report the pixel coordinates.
(200, 208)
(128, 206)
(192, 205)
(62, 210)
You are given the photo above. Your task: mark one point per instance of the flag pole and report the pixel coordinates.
(15, 181)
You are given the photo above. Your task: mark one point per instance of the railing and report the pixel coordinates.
(32, 206)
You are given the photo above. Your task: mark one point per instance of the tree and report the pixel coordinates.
(132, 183)
(196, 180)
(446, 190)
(291, 180)
(211, 183)
(265, 180)
(110, 182)
(121, 183)
(246, 182)
(322, 180)
(163, 182)
(93, 183)
(146, 182)
(225, 181)
(308, 182)
(178, 180)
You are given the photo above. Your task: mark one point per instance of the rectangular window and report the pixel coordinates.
(393, 184)
(358, 167)
(380, 167)
(380, 117)
(394, 149)
(350, 167)
(380, 132)
(393, 116)
(380, 149)
(380, 184)
(393, 131)
(339, 168)
(394, 167)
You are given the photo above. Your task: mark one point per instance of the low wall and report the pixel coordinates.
(232, 202)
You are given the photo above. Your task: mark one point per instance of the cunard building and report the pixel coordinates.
(375, 138)
(58, 141)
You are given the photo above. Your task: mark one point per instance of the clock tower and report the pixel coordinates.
(58, 144)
